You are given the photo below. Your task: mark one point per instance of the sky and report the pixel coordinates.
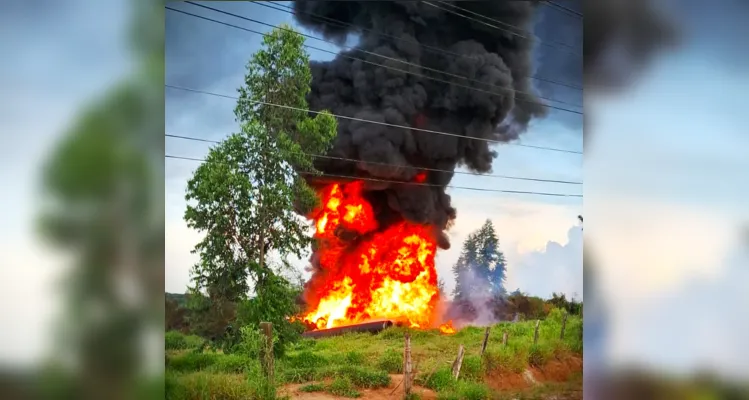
(537, 234)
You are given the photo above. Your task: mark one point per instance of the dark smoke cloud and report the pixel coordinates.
(621, 37)
(496, 59)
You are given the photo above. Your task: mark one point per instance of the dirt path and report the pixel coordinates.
(366, 394)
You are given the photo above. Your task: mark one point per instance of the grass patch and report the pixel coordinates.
(391, 362)
(312, 387)
(174, 340)
(305, 359)
(440, 381)
(191, 362)
(201, 385)
(343, 387)
(364, 377)
(464, 390)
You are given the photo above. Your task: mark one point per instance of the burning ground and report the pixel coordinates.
(377, 236)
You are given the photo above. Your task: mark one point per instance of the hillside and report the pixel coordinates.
(369, 366)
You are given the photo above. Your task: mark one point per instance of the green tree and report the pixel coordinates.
(464, 267)
(480, 269)
(102, 185)
(246, 195)
(491, 265)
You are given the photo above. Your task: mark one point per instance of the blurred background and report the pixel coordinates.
(666, 163)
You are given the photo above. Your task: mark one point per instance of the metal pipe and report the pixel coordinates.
(370, 327)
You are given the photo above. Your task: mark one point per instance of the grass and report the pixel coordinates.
(345, 364)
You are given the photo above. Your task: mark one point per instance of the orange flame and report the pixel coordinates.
(388, 274)
(447, 327)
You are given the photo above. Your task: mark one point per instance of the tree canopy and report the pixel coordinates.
(247, 194)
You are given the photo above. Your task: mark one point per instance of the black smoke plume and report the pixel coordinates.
(498, 62)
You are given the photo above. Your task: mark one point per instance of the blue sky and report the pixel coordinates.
(211, 57)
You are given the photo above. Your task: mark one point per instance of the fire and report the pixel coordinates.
(383, 274)
(447, 327)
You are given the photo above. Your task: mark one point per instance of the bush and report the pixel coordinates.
(174, 341)
(391, 361)
(343, 387)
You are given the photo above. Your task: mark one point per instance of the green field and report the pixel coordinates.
(345, 365)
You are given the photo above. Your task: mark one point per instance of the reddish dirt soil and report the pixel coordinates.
(554, 371)
(394, 391)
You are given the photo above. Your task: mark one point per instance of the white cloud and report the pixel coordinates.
(556, 268)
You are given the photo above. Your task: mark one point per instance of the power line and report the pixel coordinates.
(378, 55)
(375, 122)
(433, 49)
(541, 42)
(399, 166)
(408, 183)
(563, 8)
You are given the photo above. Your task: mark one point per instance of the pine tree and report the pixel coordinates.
(491, 264)
(464, 264)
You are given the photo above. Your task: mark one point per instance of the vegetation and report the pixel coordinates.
(246, 197)
(344, 365)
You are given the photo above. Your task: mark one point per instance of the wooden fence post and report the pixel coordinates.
(504, 338)
(267, 353)
(407, 378)
(458, 362)
(535, 334)
(486, 340)
(564, 325)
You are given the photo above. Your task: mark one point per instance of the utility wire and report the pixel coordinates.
(433, 49)
(375, 122)
(398, 166)
(378, 55)
(408, 183)
(563, 8)
(569, 50)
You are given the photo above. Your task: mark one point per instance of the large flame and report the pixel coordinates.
(384, 274)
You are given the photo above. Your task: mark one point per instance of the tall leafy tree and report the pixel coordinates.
(245, 194)
(104, 206)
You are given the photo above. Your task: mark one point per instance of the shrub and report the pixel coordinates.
(391, 361)
(343, 387)
(174, 341)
